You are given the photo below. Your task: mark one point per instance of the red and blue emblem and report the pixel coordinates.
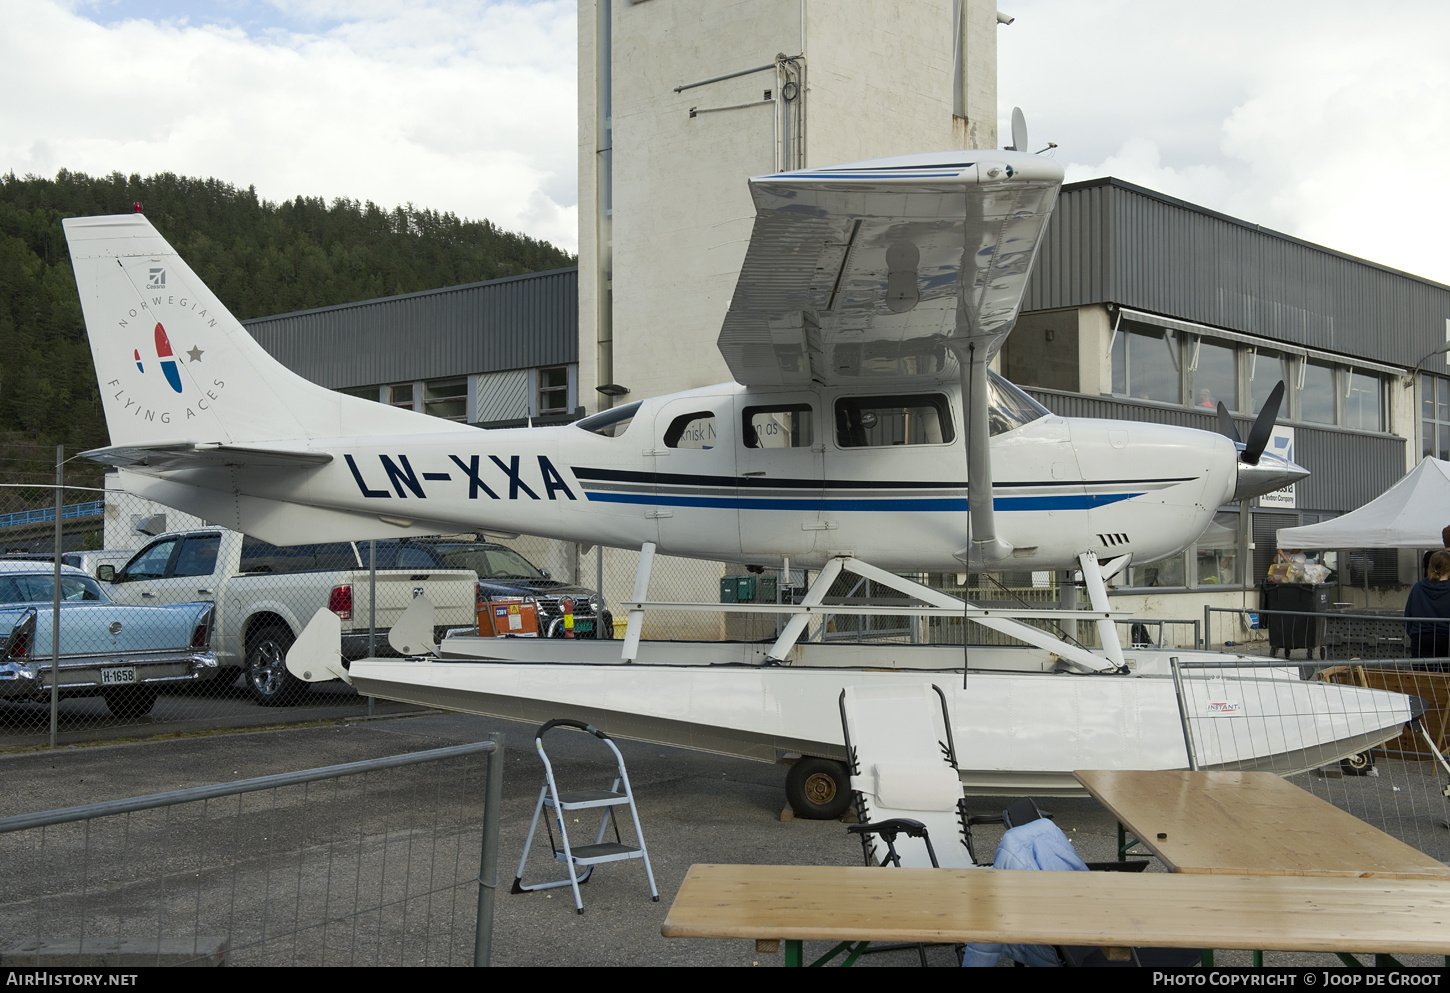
(168, 361)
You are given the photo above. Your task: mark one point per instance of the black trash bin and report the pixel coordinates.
(1289, 632)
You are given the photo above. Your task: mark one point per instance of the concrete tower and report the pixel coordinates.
(681, 101)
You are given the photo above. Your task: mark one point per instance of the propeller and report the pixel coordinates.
(1260, 432)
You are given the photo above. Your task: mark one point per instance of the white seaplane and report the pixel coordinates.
(864, 433)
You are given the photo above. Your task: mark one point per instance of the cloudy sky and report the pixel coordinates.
(1329, 119)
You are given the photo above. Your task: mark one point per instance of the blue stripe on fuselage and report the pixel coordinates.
(1069, 501)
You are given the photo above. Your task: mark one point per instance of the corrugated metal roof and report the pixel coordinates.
(1113, 242)
(518, 322)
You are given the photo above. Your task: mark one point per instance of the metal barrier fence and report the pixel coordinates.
(1327, 635)
(1160, 633)
(1397, 780)
(388, 861)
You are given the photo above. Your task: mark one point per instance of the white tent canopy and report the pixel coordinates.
(1409, 514)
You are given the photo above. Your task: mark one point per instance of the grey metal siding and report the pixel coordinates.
(1111, 242)
(1349, 469)
(514, 323)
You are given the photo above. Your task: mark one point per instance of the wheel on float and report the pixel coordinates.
(818, 789)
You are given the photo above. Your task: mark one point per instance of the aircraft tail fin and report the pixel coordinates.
(175, 366)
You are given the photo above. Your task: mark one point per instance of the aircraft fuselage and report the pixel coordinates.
(740, 474)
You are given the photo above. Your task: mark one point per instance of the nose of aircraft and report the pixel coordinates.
(1273, 472)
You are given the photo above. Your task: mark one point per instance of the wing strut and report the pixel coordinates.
(985, 547)
(1092, 577)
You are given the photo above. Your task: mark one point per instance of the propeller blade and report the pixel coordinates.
(1263, 426)
(1226, 425)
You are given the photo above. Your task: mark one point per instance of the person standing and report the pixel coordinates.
(1430, 597)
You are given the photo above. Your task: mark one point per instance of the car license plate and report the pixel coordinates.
(118, 676)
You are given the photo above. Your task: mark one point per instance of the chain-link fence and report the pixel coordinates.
(388, 861)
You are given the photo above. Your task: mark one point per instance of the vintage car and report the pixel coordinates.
(122, 653)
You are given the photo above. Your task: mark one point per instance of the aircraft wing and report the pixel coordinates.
(877, 271)
(188, 455)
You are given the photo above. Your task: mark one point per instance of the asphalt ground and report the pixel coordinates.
(694, 808)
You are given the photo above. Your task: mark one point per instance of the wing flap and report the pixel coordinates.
(877, 270)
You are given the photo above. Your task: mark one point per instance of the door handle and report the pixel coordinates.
(149, 594)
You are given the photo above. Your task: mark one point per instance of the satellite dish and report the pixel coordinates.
(1019, 130)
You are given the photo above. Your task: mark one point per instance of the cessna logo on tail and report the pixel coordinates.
(156, 279)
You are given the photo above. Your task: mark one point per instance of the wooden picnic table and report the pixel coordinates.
(1251, 823)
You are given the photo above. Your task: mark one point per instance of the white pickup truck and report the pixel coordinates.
(266, 594)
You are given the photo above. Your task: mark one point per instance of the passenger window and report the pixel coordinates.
(881, 421)
(198, 556)
(259, 556)
(411, 557)
(610, 423)
(695, 430)
(150, 563)
(784, 426)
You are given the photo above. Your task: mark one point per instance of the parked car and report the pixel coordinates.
(265, 595)
(87, 561)
(119, 652)
(505, 574)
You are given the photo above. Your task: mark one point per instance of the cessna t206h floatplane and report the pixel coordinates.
(864, 433)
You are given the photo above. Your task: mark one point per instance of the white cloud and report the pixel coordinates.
(463, 107)
(1326, 120)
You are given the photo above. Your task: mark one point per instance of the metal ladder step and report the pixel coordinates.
(608, 851)
(580, 799)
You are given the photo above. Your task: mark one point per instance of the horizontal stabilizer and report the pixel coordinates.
(188, 455)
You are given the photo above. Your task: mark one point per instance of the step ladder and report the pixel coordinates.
(606, 801)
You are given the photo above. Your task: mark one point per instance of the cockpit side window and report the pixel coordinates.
(610, 423)
(897, 419)
(696, 430)
(1008, 407)
(786, 425)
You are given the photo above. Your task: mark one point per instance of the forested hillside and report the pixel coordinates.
(259, 257)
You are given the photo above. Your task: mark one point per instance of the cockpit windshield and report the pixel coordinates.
(610, 423)
(1008, 408)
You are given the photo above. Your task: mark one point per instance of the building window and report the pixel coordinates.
(1213, 376)
(446, 398)
(554, 390)
(1146, 365)
(373, 393)
(1164, 572)
(400, 395)
(1434, 416)
(1316, 399)
(1217, 552)
(1267, 370)
(1364, 401)
(1042, 351)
